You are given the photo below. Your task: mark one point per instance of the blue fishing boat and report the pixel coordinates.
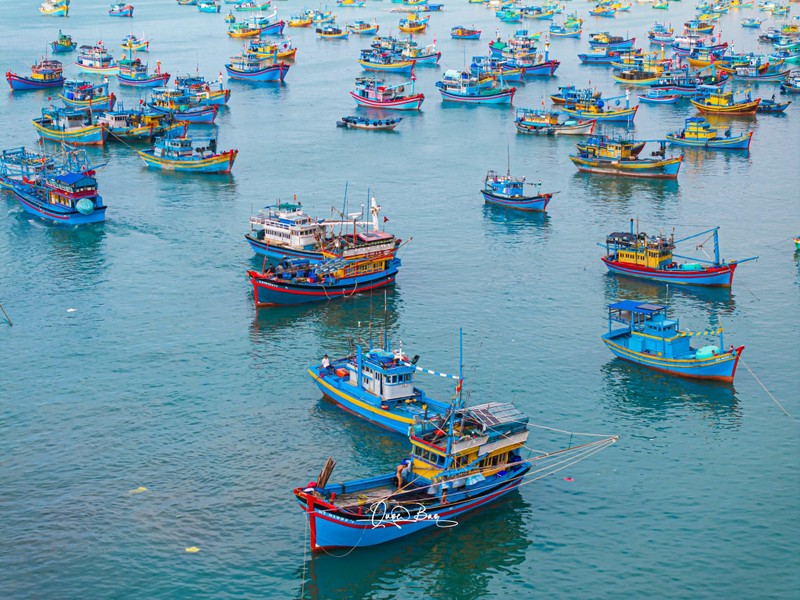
(699, 133)
(546, 122)
(44, 74)
(373, 59)
(182, 105)
(249, 67)
(613, 42)
(96, 59)
(63, 44)
(134, 43)
(635, 254)
(651, 339)
(560, 31)
(203, 92)
(134, 73)
(208, 6)
(459, 461)
(459, 32)
(461, 86)
(768, 105)
(604, 155)
(67, 194)
(69, 125)
(86, 95)
(19, 164)
(180, 154)
(657, 96)
(299, 281)
(120, 10)
(142, 123)
(509, 192)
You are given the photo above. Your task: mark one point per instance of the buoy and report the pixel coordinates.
(138, 490)
(192, 549)
(568, 479)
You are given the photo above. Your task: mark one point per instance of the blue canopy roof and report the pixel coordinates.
(70, 178)
(636, 307)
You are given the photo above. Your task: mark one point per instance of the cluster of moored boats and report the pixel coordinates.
(462, 456)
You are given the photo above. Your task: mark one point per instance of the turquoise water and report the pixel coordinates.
(137, 358)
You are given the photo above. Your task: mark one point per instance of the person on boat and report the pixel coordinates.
(326, 364)
(403, 468)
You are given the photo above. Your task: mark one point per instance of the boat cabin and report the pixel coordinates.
(648, 329)
(67, 189)
(651, 252)
(385, 374)
(286, 225)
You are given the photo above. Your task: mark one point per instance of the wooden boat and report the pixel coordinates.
(603, 11)
(201, 92)
(606, 156)
(596, 109)
(460, 86)
(792, 84)
(509, 192)
(120, 10)
(133, 43)
(249, 67)
(651, 339)
(599, 56)
(661, 34)
(771, 106)
(69, 125)
(363, 28)
(413, 23)
(560, 31)
(489, 68)
(243, 30)
(421, 55)
(331, 32)
(534, 65)
(388, 62)
(177, 153)
(86, 95)
(284, 231)
(654, 96)
(300, 282)
(320, 17)
(797, 243)
(635, 254)
(355, 122)
(725, 103)
(698, 132)
(63, 44)
(374, 93)
(44, 74)
(54, 9)
(66, 194)
(351, 3)
(752, 23)
(138, 124)
(569, 94)
(459, 32)
(660, 5)
(182, 104)
(231, 18)
(251, 6)
(301, 21)
(96, 59)
(267, 25)
(522, 42)
(19, 164)
(613, 42)
(134, 73)
(458, 462)
(208, 6)
(278, 49)
(545, 122)
(759, 74)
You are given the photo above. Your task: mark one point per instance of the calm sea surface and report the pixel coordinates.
(137, 357)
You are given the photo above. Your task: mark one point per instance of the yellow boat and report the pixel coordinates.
(244, 32)
(269, 50)
(412, 28)
(304, 22)
(725, 103)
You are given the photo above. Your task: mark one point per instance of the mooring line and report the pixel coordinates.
(766, 390)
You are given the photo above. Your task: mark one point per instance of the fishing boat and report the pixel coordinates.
(792, 83)
(655, 96)
(603, 11)
(134, 43)
(249, 67)
(86, 95)
(546, 122)
(67, 195)
(661, 34)
(533, 65)
(604, 155)
(771, 106)
(182, 105)
(320, 17)
(363, 28)
(413, 23)
(208, 6)
(231, 18)
(421, 55)
(560, 31)
(490, 68)
(697, 132)
(304, 20)
(299, 281)
(599, 56)
(54, 9)
(63, 44)
(179, 154)
(569, 94)
(285, 231)
(757, 74)
(797, 243)
(19, 164)
(590, 107)
(251, 6)
(726, 103)
(372, 59)
(752, 23)
(267, 25)
(375, 93)
(202, 92)
(509, 192)
(460, 461)
(242, 30)
(635, 254)
(331, 32)
(44, 74)
(461, 86)
(351, 3)
(651, 339)
(138, 124)
(355, 122)
(278, 49)
(459, 32)
(120, 10)
(69, 125)
(96, 59)
(134, 73)
(614, 42)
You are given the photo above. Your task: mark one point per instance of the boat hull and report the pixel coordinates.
(744, 108)
(154, 81)
(98, 70)
(219, 164)
(545, 69)
(529, 203)
(721, 367)
(611, 116)
(276, 254)
(17, 82)
(739, 142)
(407, 103)
(712, 276)
(661, 169)
(203, 116)
(506, 97)
(93, 135)
(404, 67)
(100, 103)
(54, 214)
(271, 73)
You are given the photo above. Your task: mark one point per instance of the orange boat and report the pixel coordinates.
(725, 103)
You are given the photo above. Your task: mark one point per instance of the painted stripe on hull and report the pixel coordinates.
(278, 253)
(267, 293)
(71, 218)
(86, 136)
(272, 73)
(537, 203)
(741, 142)
(720, 277)
(501, 98)
(410, 103)
(23, 83)
(159, 81)
(218, 164)
(404, 68)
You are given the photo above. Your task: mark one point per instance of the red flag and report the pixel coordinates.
(385, 219)
(458, 387)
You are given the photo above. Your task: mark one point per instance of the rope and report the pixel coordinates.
(305, 557)
(6, 316)
(765, 388)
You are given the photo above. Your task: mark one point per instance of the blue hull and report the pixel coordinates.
(741, 142)
(720, 368)
(501, 98)
(33, 205)
(24, 83)
(158, 81)
(277, 254)
(535, 203)
(274, 73)
(719, 277)
(205, 116)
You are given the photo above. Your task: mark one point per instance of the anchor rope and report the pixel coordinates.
(765, 389)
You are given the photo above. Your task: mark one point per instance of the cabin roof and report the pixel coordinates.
(635, 306)
(72, 178)
(492, 414)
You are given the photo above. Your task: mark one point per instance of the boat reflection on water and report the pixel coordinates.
(426, 564)
(501, 220)
(638, 392)
(717, 300)
(622, 191)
